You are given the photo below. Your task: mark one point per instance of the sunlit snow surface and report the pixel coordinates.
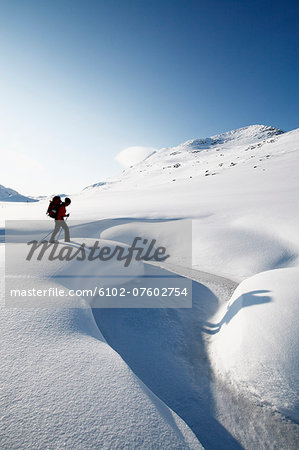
(227, 367)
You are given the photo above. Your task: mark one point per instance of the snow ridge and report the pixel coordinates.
(248, 134)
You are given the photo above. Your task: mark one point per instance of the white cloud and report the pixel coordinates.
(133, 155)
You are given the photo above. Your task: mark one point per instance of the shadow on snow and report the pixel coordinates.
(245, 300)
(166, 350)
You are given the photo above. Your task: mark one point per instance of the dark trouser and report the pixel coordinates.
(61, 224)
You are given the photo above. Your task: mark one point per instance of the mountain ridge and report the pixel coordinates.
(247, 133)
(10, 195)
(251, 146)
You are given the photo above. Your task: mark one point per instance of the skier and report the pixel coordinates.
(60, 223)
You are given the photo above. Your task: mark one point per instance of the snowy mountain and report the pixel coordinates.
(48, 197)
(245, 135)
(9, 195)
(250, 146)
(101, 183)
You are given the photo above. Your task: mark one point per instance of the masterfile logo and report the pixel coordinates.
(144, 250)
(118, 263)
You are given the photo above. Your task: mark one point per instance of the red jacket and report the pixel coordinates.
(62, 212)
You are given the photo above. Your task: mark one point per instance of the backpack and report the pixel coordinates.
(54, 206)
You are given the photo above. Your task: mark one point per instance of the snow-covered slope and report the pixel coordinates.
(241, 189)
(95, 185)
(9, 195)
(247, 146)
(255, 338)
(65, 387)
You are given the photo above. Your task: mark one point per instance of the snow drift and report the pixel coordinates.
(66, 387)
(255, 338)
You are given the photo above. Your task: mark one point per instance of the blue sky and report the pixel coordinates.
(82, 80)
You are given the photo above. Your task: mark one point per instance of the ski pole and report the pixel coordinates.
(44, 238)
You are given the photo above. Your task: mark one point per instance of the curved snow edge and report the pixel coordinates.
(254, 338)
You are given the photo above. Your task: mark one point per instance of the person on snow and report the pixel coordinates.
(60, 223)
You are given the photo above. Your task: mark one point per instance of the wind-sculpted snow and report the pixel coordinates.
(255, 338)
(64, 386)
(228, 369)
